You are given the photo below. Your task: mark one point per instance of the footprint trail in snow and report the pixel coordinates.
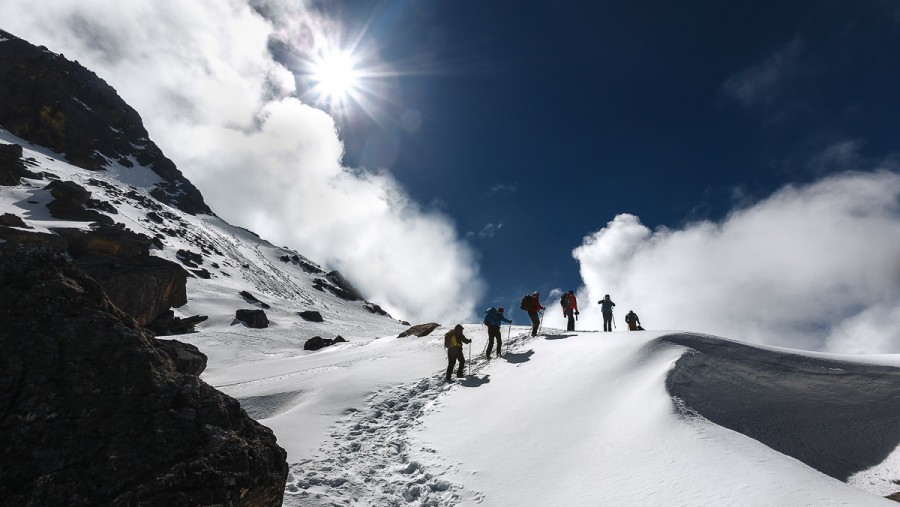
(366, 460)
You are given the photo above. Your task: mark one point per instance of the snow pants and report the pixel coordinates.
(455, 354)
(535, 322)
(494, 332)
(570, 313)
(607, 321)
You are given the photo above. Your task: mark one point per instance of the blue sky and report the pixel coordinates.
(722, 167)
(551, 119)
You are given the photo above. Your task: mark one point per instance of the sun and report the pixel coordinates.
(343, 74)
(335, 77)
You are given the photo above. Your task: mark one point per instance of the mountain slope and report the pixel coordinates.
(134, 253)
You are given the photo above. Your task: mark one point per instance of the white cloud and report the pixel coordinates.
(760, 84)
(488, 231)
(216, 102)
(814, 267)
(842, 154)
(503, 188)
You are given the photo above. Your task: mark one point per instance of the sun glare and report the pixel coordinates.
(342, 75)
(336, 77)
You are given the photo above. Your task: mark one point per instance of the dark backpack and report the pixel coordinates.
(489, 316)
(564, 301)
(448, 339)
(526, 302)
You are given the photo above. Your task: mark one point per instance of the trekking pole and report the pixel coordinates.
(614, 320)
(469, 362)
(541, 325)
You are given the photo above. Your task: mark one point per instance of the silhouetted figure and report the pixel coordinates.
(493, 319)
(454, 340)
(570, 309)
(606, 307)
(532, 305)
(633, 321)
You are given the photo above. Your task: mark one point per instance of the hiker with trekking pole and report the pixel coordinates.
(493, 319)
(531, 303)
(453, 341)
(606, 307)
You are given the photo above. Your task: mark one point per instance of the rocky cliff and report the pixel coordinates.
(95, 411)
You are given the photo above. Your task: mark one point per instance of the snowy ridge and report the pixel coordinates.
(235, 259)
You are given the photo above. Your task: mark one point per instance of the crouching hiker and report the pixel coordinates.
(453, 341)
(493, 319)
(634, 322)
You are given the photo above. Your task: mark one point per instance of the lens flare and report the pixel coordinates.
(336, 77)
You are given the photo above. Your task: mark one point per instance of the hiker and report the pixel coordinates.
(633, 321)
(532, 305)
(493, 319)
(570, 309)
(606, 306)
(454, 340)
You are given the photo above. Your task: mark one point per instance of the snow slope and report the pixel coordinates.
(582, 418)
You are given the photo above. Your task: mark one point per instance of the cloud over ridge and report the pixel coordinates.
(218, 104)
(814, 267)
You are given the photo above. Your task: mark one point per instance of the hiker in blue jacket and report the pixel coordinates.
(606, 307)
(493, 319)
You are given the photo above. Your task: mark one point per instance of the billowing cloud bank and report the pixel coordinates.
(218, 104)
(814, 267)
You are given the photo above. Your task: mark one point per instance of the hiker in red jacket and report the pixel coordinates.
(533, 306)
(570, 309)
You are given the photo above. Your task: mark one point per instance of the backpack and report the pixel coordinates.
(526, 302)
(564, 301)
(448, 339)
(490, 316)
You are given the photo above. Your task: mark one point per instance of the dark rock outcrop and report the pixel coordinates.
(141, 285)
(58, 104)
(250, 298)
(335, 283)
(377, 310)
(12, 168)
(252, 318)
(93, 411)
(311, 316)
(167, 323)
(69, 203)
(348, 291)
(10, 220)
(105, 241)
(38, 239)
(419, 330)
(189, 258)
(317, 342)
(306, 265)
(187, 358)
